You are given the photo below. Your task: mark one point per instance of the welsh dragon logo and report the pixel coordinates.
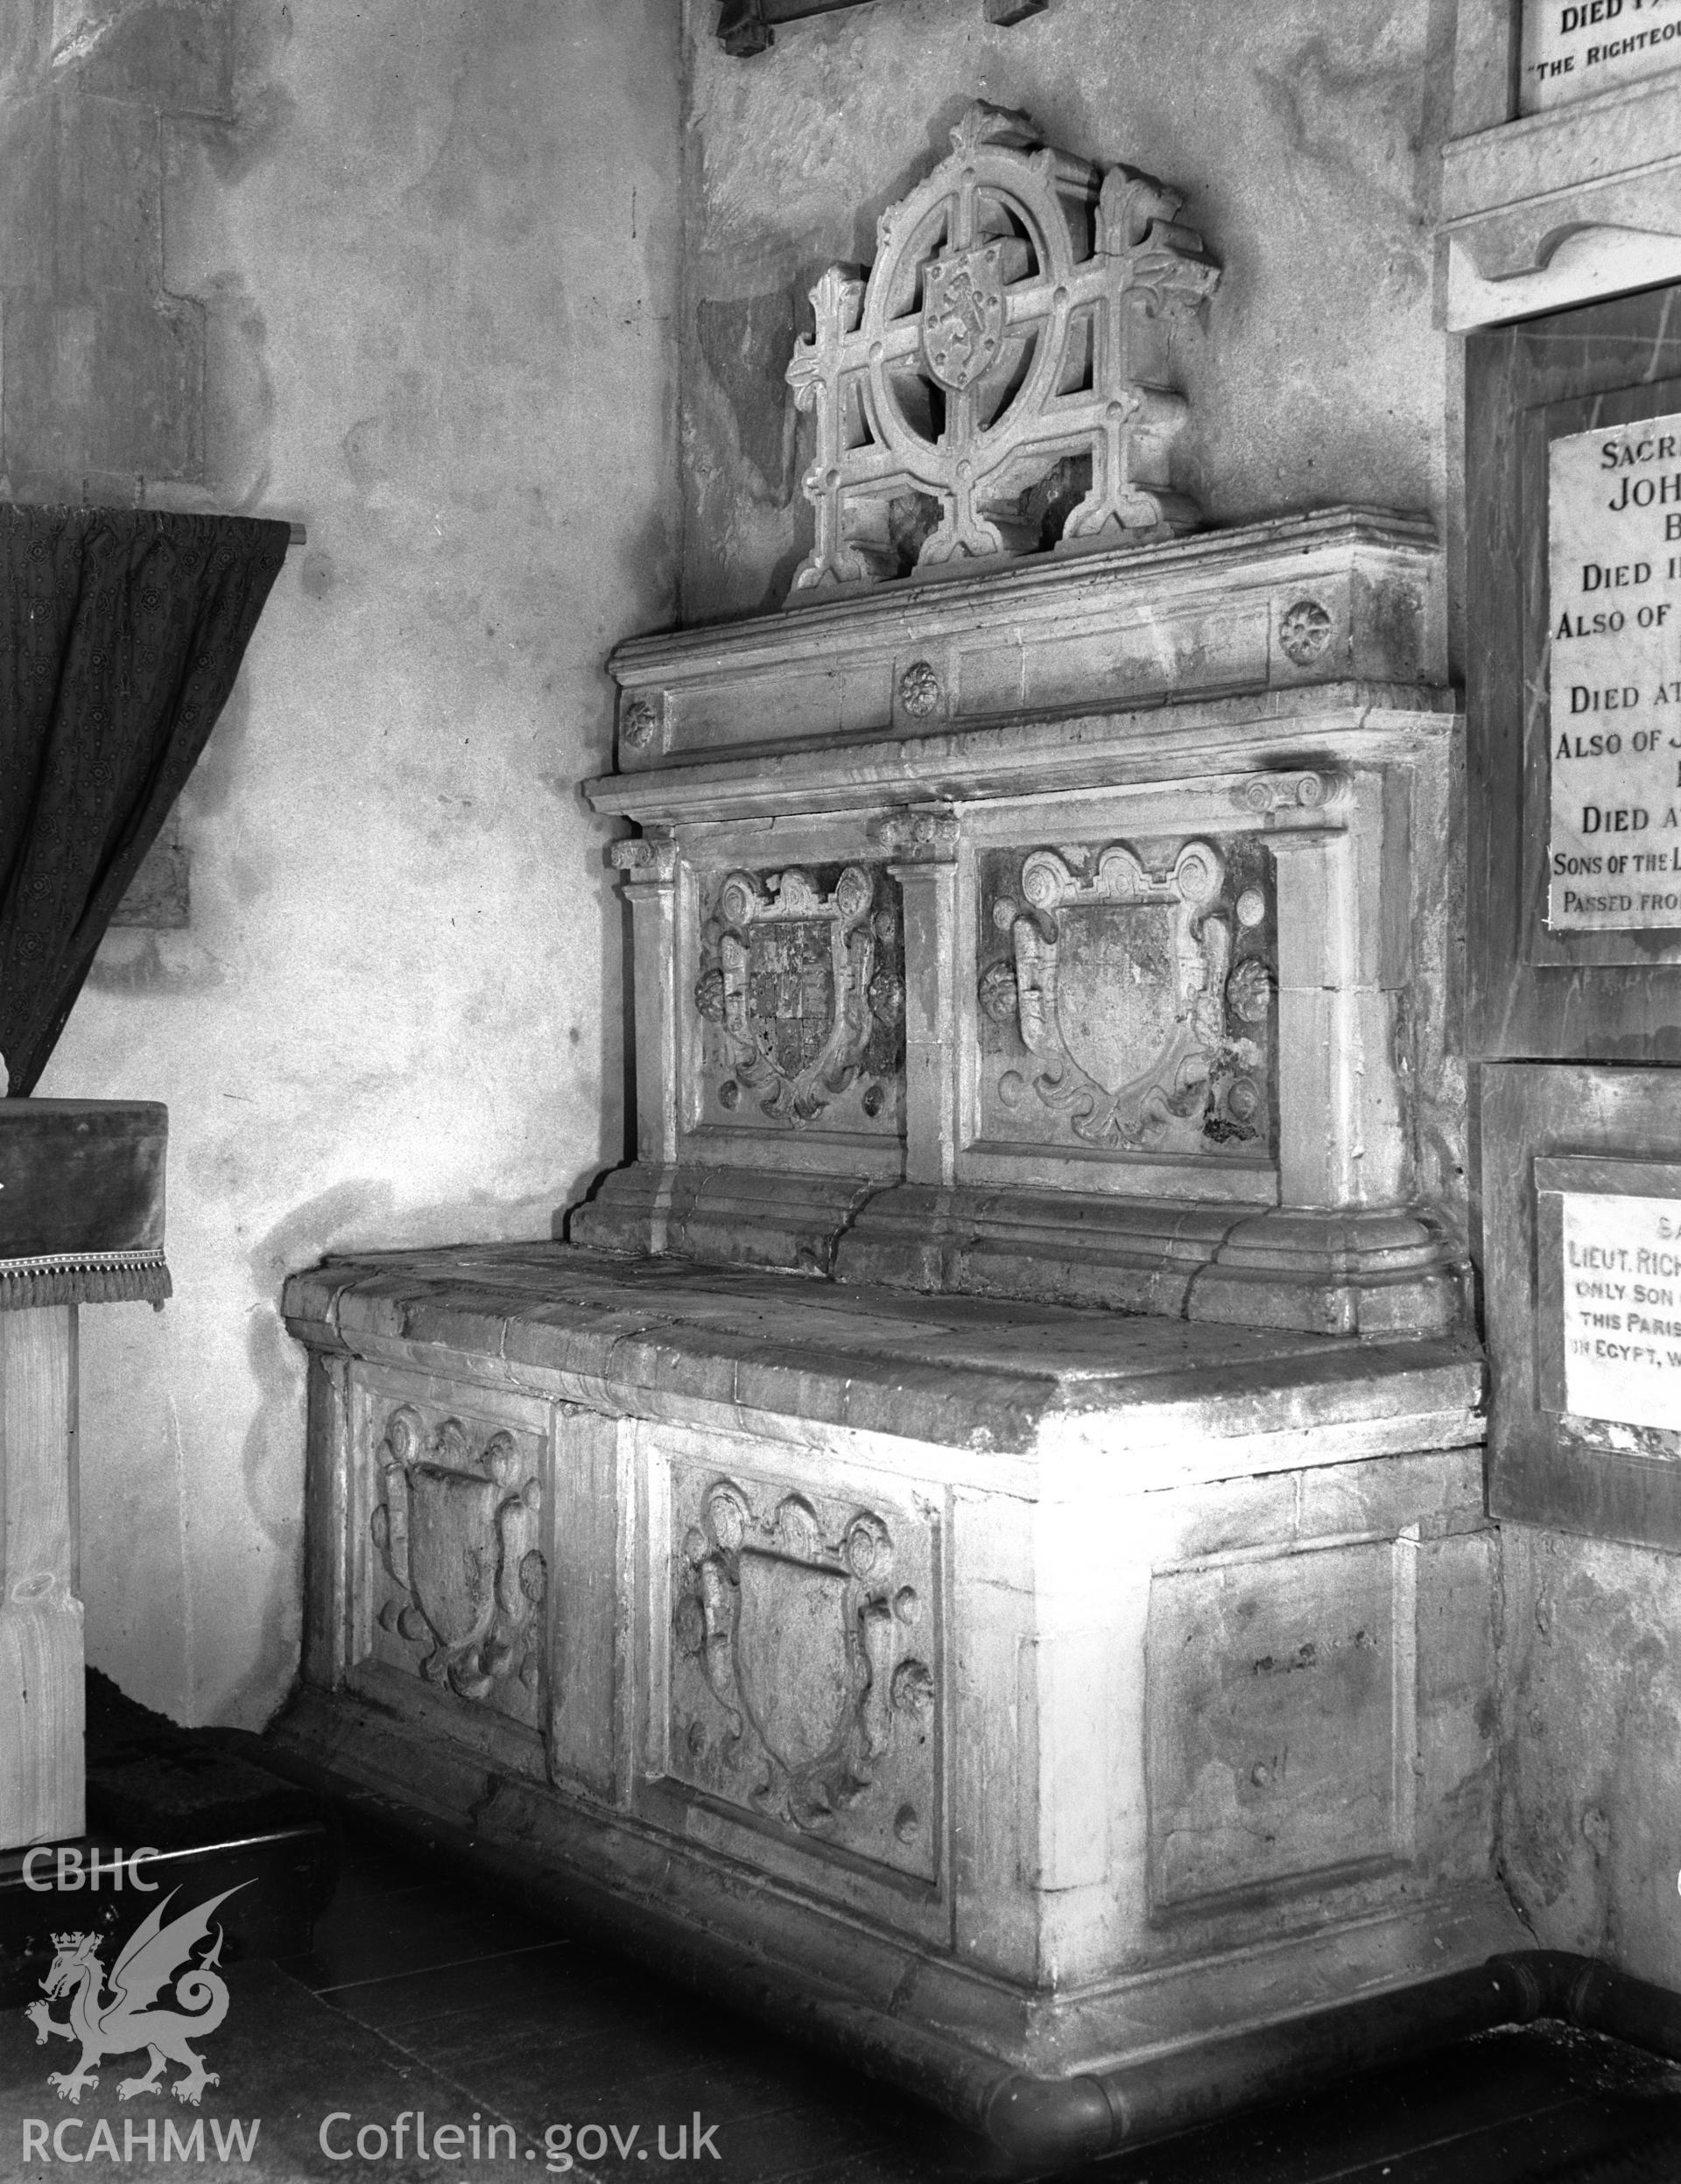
(127, 2018)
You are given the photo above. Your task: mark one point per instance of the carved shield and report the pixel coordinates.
(963, 315)
(791, 1667)
(1116, 997)
(453, 1551)
(791, 990)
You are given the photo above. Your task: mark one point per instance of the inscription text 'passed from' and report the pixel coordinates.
(1614, 721)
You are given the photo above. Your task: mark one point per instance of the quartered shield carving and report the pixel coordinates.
(458, 1535)
(1119, 977)
(804, 986)
(818, 1709)
(963, 312)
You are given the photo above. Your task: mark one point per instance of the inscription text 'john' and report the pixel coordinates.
(1615, 724)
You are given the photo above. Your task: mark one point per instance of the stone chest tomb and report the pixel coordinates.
(976, 1542)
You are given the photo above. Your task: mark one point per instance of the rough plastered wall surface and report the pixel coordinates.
(415, 263)
(1591, 1736)
(1304, 141)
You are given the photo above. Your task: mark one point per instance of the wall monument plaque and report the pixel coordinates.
(1614, 722)
(1623, 1308)
(1572, 48)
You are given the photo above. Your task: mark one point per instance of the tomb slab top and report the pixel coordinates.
(665, 1337)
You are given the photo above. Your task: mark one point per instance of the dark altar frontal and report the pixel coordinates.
(979, 1538)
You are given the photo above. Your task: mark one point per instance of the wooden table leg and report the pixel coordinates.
(42, 1776)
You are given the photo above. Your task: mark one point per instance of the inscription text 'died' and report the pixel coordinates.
(1615, 724)
(1572, 48)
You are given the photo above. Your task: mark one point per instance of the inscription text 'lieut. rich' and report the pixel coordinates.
(1623, 1308)
(1615, 719)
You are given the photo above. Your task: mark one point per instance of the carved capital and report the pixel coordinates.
(1275, 794)
(926, 836)
(650, 858)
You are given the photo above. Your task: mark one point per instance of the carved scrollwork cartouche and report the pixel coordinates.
(914, 836)
(1286, 792)
(646, 858)
(1120, 985)
(801, 1635)
(457, 1531)
(803, 978)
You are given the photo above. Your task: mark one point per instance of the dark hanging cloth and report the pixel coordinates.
(123, 632)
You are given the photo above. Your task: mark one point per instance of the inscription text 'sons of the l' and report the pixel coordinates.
(991, 389)
(803, 1678)
(1133, 1010)
(800, 997)
(456, 1528)
(1615, 717)
(1623, 1308)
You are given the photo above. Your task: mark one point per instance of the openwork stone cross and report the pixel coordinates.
(1030, 267)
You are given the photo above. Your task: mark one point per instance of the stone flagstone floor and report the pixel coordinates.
(426, 1997)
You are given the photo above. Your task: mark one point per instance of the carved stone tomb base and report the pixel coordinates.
(1023, 1694)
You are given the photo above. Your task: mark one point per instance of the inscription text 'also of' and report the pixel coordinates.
(1614, 860)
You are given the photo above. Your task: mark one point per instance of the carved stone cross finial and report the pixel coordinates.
(1031, 268)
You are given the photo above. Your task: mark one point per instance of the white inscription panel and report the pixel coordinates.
(1623, 1308)
(1615, 724)
(1572, 48)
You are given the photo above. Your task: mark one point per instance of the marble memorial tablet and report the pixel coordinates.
(1615, 720)
(1623, 1308)
(1572, 48)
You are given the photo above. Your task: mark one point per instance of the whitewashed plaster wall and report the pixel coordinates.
(1305, 139)
(437, 251)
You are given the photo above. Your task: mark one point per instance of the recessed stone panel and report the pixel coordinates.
(457, 1578)
(798, 998)
(1275, 1697)
(804, 1665)
(1126, 997)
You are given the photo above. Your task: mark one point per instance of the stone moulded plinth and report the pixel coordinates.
(1022, 1695)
